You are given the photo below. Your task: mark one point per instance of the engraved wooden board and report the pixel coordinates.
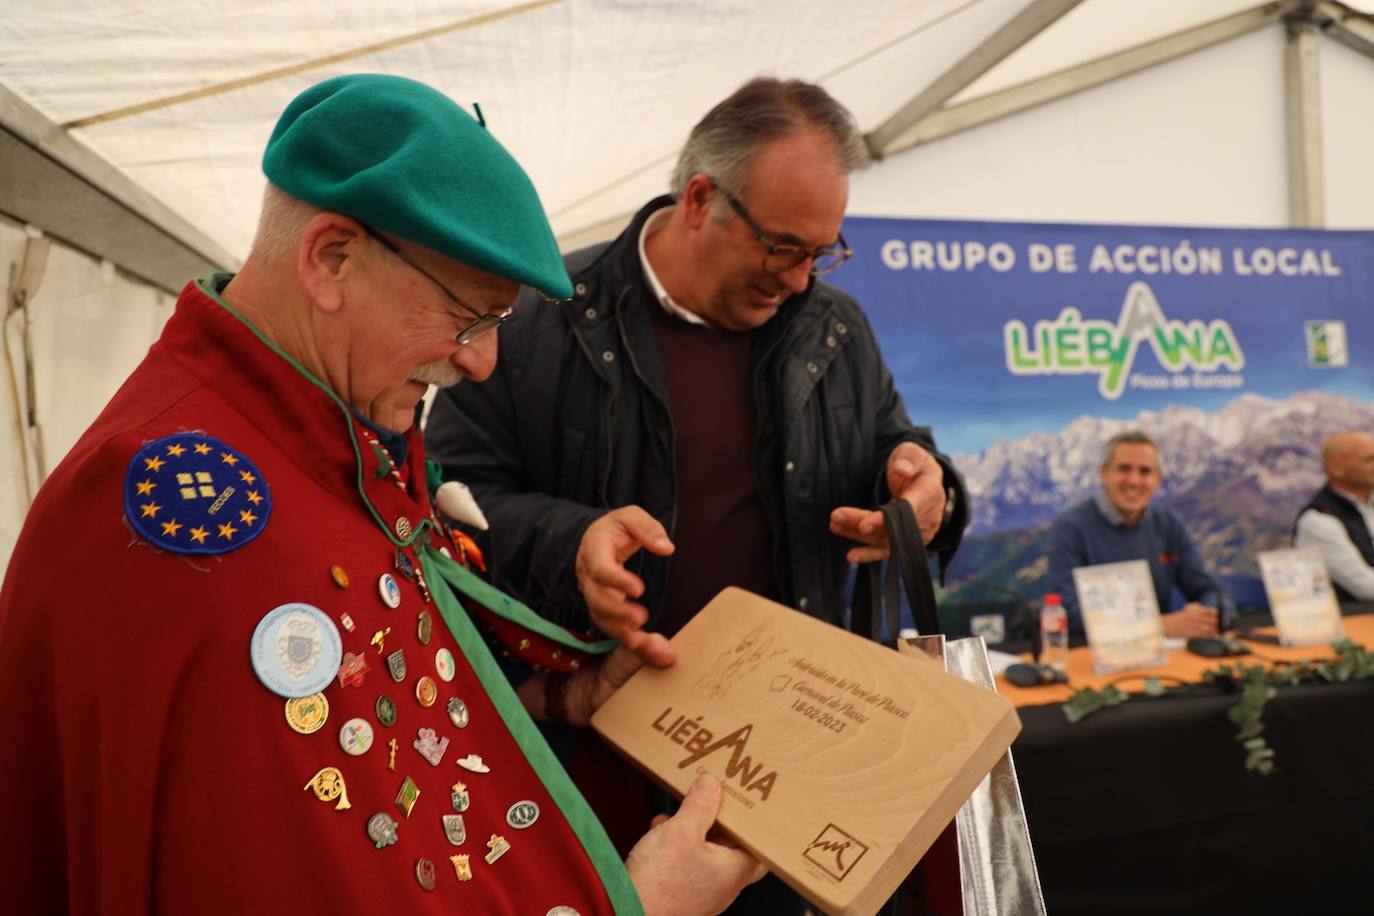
(841, 759)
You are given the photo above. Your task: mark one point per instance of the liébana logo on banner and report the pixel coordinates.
(1072, 345)
(1193, 354)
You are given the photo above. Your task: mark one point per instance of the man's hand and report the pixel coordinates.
(1192, 619)
(678, 871)
(607, 586)
(913, 474)
(592, 686)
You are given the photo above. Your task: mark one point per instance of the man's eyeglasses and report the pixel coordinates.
(778, 258)
(481, 322)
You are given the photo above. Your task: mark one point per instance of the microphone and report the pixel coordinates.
(1225, 607)
(1221, 645)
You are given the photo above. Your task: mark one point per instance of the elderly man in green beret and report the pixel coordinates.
(247, 662)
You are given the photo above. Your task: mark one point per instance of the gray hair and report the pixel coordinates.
(1129, 437)
(281, 224)
(725, 143)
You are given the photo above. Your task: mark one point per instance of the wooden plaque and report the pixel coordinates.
(841, 759)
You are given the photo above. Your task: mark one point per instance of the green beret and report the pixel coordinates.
(400, 156)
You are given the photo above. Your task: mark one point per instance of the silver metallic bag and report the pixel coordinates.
(997, 874)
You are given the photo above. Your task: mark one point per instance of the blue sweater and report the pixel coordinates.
(1092, 532)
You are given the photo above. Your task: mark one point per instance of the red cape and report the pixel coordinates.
(146, 768)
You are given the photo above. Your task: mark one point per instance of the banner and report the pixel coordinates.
(1026, 346)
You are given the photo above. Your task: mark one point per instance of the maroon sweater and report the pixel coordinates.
(721, 533)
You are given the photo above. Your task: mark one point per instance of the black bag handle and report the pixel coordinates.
(907, 564)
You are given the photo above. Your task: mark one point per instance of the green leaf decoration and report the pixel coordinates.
(1255, 685)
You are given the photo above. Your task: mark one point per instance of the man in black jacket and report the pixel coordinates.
(1339, 519)
(702, 396)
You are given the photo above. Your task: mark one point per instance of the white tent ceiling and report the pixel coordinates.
(594, 98)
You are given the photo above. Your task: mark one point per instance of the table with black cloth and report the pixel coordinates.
(1147, 807)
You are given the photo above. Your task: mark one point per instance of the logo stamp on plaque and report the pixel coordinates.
(835, 852)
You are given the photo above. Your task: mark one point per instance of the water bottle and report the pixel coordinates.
(1054, 634)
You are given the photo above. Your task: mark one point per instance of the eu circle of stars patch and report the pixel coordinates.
(189, 493)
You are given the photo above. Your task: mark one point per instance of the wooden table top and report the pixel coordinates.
(1181, 666)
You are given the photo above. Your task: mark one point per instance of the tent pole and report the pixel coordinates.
(1351, 28)
(1302, 95)
(26, 275)
(55, 182)
(1060, 84)
(1031, 21)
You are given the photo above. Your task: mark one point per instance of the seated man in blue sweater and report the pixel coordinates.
(1118, 524)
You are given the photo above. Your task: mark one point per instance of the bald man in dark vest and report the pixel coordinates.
(1339, 519)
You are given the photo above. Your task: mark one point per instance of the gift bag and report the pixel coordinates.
(984, 864)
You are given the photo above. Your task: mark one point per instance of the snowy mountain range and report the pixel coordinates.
(1237, 477)
(1263, 455)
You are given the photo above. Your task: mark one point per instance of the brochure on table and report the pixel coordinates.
(1301, 597)
(1120, 615)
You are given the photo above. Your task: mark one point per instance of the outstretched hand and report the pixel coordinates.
(913, 474)
(1191, 620)
(593, 685)
(609, 588)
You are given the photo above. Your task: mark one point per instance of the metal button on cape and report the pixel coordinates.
(424, 873)
(307, 714)
(474, 763)
(407, 796)
(382, 828)
(328, 785)
(443, 664)
(355, 737)
(431, 746)
(296, 650)
(352, 671)
(426, 691)
(389, 590)
(499, 846)
(522, 814)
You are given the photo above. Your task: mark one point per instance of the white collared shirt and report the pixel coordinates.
(656, 221)
(1343, 560)
(1111, 513)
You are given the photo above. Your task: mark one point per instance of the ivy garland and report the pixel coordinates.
(1257, 686)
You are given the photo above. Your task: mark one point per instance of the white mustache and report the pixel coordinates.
(440, 372)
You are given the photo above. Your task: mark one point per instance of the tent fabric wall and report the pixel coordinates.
(91, 325)
(1347, 86)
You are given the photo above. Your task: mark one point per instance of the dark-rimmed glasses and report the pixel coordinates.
(481, 321)
(780, 257)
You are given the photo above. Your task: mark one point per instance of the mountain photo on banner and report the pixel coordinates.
(1027, 346)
